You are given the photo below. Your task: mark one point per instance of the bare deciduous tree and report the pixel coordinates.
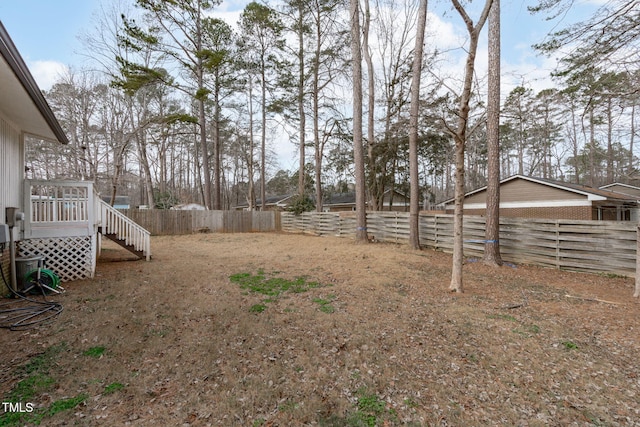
(358, 154)
(460, 137)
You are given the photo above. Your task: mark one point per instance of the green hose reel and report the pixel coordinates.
(48, 281)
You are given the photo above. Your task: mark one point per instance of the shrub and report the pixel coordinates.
(300, 204)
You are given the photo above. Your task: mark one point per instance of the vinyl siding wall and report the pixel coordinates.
(11, 167)
(11, 173)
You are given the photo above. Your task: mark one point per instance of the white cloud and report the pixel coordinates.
(230, 17)
(232, 5)
(46, 73)
(229, 11)
(443, 34)
(520, 65)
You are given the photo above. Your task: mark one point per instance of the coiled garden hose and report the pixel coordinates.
(27, 313)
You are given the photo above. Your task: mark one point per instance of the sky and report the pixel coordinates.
(46, 33)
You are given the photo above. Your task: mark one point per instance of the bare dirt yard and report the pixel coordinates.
(297, 330)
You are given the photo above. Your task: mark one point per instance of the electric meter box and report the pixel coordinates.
(4, 233)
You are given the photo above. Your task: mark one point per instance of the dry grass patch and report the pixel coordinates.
(347, 335)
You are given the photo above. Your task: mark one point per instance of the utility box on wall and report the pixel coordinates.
(10, 215)
(4, 233)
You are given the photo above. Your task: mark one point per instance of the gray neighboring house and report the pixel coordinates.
(273, 203)
(121, 202)
(529, 197)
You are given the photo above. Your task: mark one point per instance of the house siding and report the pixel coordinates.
(338, 208)
(11, 174)
(520, 190)
(11, 168)
(522, 197)
(564, 212)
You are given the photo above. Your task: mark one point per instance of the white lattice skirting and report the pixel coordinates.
(70, 258)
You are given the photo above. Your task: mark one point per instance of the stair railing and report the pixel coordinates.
(125, 229)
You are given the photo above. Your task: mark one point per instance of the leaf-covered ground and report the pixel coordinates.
(285, 330)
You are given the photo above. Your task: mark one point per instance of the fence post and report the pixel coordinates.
(636, 294)
(557, 244)
(435, 232)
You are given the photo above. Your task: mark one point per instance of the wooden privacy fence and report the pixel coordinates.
(171, 222)
(591, 246)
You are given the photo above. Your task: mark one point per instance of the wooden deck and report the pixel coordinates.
(62, 221)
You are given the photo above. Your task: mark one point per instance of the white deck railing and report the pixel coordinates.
(114, 222)
(58, 209)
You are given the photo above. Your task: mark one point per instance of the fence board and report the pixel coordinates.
(172, 222)
(591, 246)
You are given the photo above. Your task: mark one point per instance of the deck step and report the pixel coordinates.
(116, 226)
(122, 242)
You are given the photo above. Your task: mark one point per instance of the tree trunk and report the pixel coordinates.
(204, 149)
(460, 137)
(592, 146)
(251, 197)
(217, 191)
(303, 124)
(416, 71)
(371, 105)
(492, 230)
(316, 120)
(361, 215)
(458, 242)
(610, 174)
(318, 175)
(144, 162)
(263, 141)
(574, 146)
(631, 140)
